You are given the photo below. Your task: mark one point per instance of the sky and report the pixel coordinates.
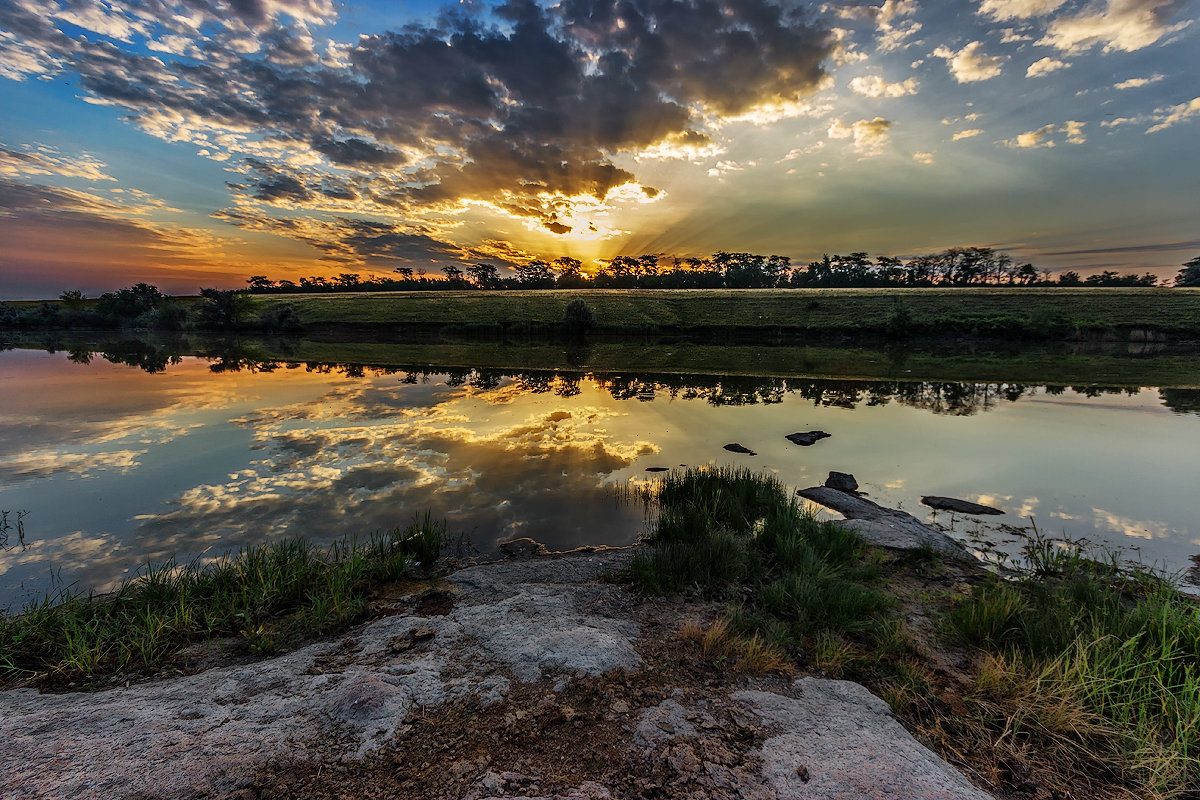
(192, 143)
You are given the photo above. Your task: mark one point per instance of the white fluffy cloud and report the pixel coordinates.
(1117, 25)
(1137, 83)
(869, 135)
(875, 86)
(970, 64)
(1045, 66)
(1173, 115)
(969, 133)
(1018, 9)
(1044, 136)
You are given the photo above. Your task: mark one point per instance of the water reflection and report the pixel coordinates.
(125, 454)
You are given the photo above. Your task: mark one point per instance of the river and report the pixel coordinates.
(112, 461)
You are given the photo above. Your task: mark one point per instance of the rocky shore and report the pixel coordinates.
(530, 678)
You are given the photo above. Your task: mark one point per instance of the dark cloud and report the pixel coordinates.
(355, 152)
(1165, 247)
(519, 106)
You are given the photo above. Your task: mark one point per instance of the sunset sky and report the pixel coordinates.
(193, 143)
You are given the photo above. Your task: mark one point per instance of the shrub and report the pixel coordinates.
(578, 318)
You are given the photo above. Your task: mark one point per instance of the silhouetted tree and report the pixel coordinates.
(1190, 274)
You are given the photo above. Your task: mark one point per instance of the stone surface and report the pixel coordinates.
(205, 734)
(734, 447)
(881, 526)
(511, 623)
(842, 481)
(807, 439)
(837, 741)
(961, 506)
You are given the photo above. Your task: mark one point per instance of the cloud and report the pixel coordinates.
(47, 161)
(1044, 136)
(1174, 115)
(1018, 9)
(869, 136)
(922, 157)
(1137, 83)
(967, 134)
(1116, 25)
(1045, 66)
(876, 87)
(518, 108)
(969, 65)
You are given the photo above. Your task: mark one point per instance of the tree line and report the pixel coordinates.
(956, 266)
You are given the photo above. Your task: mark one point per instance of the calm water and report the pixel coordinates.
(116, 466)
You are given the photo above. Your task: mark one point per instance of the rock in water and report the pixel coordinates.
(658, 469)
(737, 448)
(961, 506)
(842, 481)
(523, 548)
(808, 438)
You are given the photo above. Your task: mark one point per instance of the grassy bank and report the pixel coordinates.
(267, 596)
(1075, 678)
(986, 312)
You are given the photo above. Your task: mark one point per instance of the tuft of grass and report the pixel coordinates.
(754, 654)
(1082, 655)
(266, 596)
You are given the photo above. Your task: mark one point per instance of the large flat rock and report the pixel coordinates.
(206, 734)
(837, 741)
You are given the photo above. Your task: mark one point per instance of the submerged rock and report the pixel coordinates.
(807, 438)
(961, 506)
(842, 481)
(737, 448)
(658, 469)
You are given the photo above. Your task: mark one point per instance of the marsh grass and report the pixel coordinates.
(739, 536)
(268, 596)
(1081, 653)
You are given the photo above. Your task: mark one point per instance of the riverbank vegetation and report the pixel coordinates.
(1075, 677)
(267, 597)
(766, 316)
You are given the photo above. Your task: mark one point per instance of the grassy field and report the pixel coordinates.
(1056, 313)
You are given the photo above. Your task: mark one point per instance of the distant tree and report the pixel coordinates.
(535, 275)
(485, 276)
(405, 273)
(1070, 278)
(454, 276)
(72, 299)
(260, 282)
(286, 284)
(348, 280)
(223, 309)
(1026, 274)
(129, 304)
(570, 273)
(1190, 274)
